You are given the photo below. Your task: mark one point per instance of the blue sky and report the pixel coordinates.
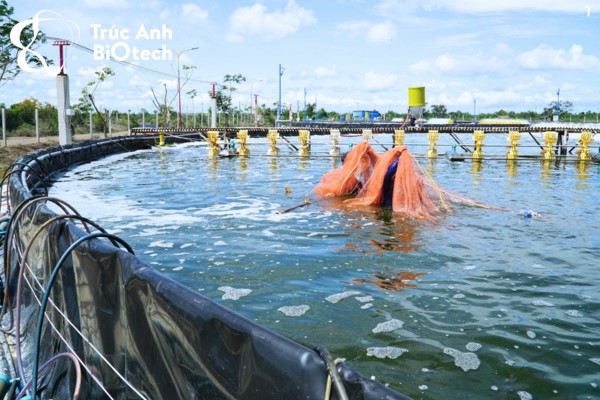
(348, 54)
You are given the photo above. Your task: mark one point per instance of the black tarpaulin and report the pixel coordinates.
(157, 339)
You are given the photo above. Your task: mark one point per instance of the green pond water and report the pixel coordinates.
(479, 304)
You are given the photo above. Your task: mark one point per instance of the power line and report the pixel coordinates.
(140, 68)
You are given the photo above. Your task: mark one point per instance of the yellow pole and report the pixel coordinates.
(548, 152)
(478, 137)
(273, 135)
(212, 137)
(243, 136)
(161, 139)
(513, 138)
(585, 140)
(398, 138)
(433, 136)
(304, 137)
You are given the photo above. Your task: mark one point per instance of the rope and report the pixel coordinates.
(434, 185)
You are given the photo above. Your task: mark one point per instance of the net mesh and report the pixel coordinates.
(352, 175)
(368, 175)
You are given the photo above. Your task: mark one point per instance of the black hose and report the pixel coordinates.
(12, 391)
(55, 270)
(17, 319)
(14, 171)
(10, 233)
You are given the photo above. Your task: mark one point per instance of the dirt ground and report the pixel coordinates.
(19, 146)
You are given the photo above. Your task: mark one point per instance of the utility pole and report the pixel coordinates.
(255, 110)
(558, 105)
(281, 70)
(179, 84)
(474, 110)
(213, 116)
(305, 104)
(62, 94)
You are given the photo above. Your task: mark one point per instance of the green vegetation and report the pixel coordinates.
(9, 69)
(225, 92)
(20, 117)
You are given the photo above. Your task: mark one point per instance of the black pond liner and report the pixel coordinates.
(166, 340)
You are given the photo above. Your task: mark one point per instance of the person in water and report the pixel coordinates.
(389, 179)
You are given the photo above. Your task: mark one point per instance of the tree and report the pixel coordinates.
(558, 108)
(9, 69)
(88, 96)
(164, 106)
(310, 110)
(439, 110)
(321, 114)
(224, 99)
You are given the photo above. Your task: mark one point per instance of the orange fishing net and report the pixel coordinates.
(374, 177)
(352, 175)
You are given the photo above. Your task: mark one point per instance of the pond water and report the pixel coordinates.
(479, 304)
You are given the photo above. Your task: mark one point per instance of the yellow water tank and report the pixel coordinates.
(416, 96)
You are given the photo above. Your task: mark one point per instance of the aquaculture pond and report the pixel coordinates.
(478, 304)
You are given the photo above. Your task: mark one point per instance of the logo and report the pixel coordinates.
(25, 50)
(119, 50)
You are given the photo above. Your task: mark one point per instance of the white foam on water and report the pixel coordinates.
(542, 303)
(494, 388)
(364, 299)
(161, 243)
(388, 326)
(531, 334)
(177, 269)
(523, 395)
(459, 296)
(366, 306)
(423, 387)
(334, 298)
(268, 233)
(233, 293)
(386, 352)
(186, 245)
(220, 243)
(573, 313)
(595, 360)
(469, 267)
(252, 209)
(538, 266)
(472, 346)
(294, 311)
(466, 361)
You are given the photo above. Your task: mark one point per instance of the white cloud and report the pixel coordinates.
(258, 21)
(373, 33)
(543, 57)
(462, 65)
(106, 3)
(193, 13)
(324, 72)
(502, 48)
(375, 81)
(382, 33)
(388, 7)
